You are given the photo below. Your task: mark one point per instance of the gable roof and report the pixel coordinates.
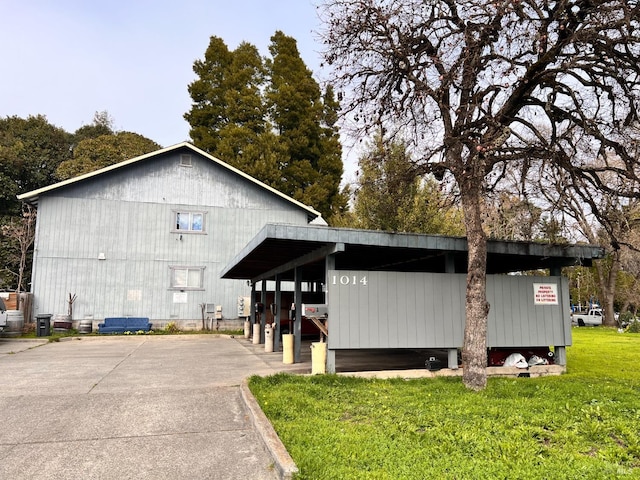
(33, 196)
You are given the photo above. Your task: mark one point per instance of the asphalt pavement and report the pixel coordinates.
(136, 407)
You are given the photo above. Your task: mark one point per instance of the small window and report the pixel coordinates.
(189, 222)
(186, 278)
(185, 160)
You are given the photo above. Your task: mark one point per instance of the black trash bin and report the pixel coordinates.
(43, 325)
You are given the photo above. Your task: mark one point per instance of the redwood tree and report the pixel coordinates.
(488, 87)
(269, 118)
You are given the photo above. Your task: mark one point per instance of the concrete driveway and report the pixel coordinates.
(125, 407)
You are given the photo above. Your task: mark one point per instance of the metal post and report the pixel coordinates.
(329, 264)
(560, 355)
(453, 359)
(252, 305)
(277, 300)
(331, 361)
(297, 326)
(263, 317)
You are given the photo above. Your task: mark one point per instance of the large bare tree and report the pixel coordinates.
(486, 87)
(617, 235)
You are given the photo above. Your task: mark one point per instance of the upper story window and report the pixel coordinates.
(189, 222)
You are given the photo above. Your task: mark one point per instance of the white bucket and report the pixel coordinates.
(256, 333)
(247, 329)
(287, 348)
(268, 338)
(318, 358)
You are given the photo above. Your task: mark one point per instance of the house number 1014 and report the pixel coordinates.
(349, 280)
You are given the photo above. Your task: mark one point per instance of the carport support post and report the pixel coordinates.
(453, 359)
(252, 306)
(277, 319)
(450, 267)
(297, 326)
(263, 316)
(560, 355)
(330, 264)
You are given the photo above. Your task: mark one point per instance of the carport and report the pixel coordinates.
(407, 291)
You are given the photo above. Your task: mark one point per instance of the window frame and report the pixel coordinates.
(187, 268)
(191, 213)
(186, 160)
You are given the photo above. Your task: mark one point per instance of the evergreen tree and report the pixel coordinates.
(330, 165)
(209, 110)
(306, 125)
(268, 118)
(391, 197)
(228, 113)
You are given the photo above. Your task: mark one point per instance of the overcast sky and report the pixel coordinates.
(67, 59)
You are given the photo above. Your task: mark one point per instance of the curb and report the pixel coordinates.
(284, 464)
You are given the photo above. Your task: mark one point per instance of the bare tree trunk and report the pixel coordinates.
(607, 283)
(474, 353)
(22, 231)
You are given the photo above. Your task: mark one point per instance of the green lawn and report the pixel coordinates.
(582, 425)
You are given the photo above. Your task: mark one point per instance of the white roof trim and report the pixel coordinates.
(34, 194)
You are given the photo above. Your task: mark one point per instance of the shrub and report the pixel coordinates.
(171, 327)
(634, 327)
(625, 317)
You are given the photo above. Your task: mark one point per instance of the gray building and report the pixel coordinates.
(149, 237)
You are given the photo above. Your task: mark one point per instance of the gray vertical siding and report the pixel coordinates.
(128, 216)
(426, 310)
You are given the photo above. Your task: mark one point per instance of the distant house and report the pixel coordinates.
(150, 236)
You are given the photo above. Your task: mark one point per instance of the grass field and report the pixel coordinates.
(581, 425)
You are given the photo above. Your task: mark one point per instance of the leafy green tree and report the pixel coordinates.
(30, 151)
(390, 196)
(432, 211)
(387, 185)
(94, 153)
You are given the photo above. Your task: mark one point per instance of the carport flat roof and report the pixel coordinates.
(278, 249)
